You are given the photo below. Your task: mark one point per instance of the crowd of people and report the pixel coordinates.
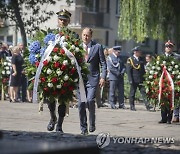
(105, 80)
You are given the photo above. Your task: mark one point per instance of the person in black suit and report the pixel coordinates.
(135, 72)
(167, 113)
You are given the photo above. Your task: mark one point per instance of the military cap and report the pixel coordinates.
(64, 14)
(117, 48)
(169, 44)
(137, 48)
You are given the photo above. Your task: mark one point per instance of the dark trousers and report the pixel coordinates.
(133, 89)
(166, 114)
(22, 92)
(90, 104)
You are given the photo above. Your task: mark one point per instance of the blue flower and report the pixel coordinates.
(32, 58)
(42, 51)
(35, 47)
(49, 37)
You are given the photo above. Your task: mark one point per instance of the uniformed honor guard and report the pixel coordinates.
(136, 71)
(116, 70)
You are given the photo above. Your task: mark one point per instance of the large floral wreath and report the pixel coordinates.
(162, 81)
(59, 77)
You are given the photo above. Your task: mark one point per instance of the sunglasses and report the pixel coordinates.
(168, 46)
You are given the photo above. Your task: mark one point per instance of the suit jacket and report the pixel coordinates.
(135, 70)
(116, 67)
(95, 59)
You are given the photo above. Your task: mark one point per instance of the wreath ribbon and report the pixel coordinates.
(165, 74)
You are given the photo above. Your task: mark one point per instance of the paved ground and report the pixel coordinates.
(21, 123)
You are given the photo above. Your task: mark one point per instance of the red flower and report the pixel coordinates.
(55, 50)
(54, 93)
(172, 76)
(178, 83)
(45, 63)
(65, 84)
(46, 89)
(62, 92)
(63, 67)
(37, 63)
(80, 60)
(54, 80)
(76, 43)
(67, 37)
(71, 88)
(155, 76)
(72, 70)
(43, 79)
(56, 64)
(62, 51)
(61, 33)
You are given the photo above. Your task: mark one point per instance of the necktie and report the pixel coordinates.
(86, 54)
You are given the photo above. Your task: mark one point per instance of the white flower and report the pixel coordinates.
(153, 67)
(150, 77)
(65, 62)
(56, 58)
(65, 44)
(8, 72)
(72, 61)
(7, 68)
(49, 42)
(9, 64)
(66, 77)
(177, 71)
(76, 80)
(157, 62)
(49, 58)
(178, 76)
(172, 62)
(159, 68)
(156, 73)
(169, 69)
(151, 72)
(3, 72)
(59, 86)
(73, 47)
(50, 85)
(49, 71)
(164, 62)
(62, 38)
(59, 72)
(173, 72)
(5, 63)
(77, 49)
(176, 66)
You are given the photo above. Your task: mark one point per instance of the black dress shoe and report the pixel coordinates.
(132, 109)
(92, 129)
(84, 133)
(148, 107)
(122, 107)
(168, 122)
(113, 107)
(162, 122)
(51, 125)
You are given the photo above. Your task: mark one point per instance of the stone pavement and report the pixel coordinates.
(21, 123)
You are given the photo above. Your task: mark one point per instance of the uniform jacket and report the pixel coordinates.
(95, 59)
(116, 67)
(135, 70)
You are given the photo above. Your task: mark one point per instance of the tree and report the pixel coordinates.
(157, 19)
(17, 10)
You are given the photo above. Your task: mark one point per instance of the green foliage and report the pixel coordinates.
(140, 19)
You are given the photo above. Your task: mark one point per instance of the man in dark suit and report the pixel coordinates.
(167, 113)
(94, 57)
(136, 71)
(116, 70)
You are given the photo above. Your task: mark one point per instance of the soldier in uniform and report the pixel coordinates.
(63, 21)
(116, 69)
(135, 72)
(167, 113)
